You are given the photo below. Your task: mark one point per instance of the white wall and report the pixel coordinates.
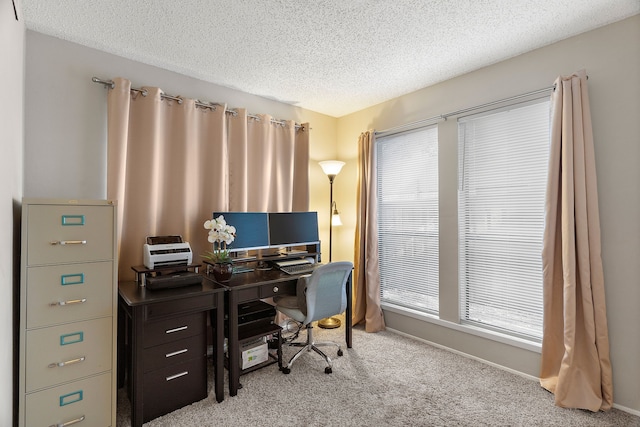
(611, 56)
(11, 126)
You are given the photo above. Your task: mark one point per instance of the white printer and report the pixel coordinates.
(166, 251)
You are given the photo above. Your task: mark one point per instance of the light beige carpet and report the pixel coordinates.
(386, 379)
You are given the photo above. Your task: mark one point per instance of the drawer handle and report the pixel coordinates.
(69, 302)
(175, 353)
(181, 374)
(68, 362)
(181, 328)
(69, 242)
(275, 289)
(69, 423)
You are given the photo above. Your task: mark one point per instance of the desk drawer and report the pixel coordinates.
(178, 306)
(168, 389)
(174, 352)
(266, 291)
(65, 293)
(89, 398)
(80, 233)
(83, 347)
(248, 294)
(174, 328)
(281, 288)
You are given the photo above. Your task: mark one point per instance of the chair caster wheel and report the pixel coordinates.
(340, 353)
(327, 370)
(286, 370)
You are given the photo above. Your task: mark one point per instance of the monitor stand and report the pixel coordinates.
(290, 251)
(242, 256)
(269, 253)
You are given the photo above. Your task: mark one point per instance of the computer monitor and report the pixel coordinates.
(252, 230)
(293, 228)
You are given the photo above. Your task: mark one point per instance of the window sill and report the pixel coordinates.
(484, 333)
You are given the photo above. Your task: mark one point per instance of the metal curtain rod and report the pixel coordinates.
(435, 119)
(144, 92)
(201, 104)
(489, 104)
(258, 118)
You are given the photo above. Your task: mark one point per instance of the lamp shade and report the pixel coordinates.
(335, 216)
(331, 167)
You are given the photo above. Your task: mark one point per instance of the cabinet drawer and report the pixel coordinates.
(70, 292)
(174, 328)
(168, 389)
(89, 398)
(178, 306)
(86, 348)
(58, 234)
(174, 352)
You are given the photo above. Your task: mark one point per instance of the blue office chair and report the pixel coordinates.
(319, 295)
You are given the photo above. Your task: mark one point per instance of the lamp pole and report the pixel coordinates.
(331, 177)
(331, 168)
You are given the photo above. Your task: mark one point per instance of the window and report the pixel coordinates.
(502, 175)
(407, 167)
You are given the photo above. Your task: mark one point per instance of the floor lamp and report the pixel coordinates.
(331, 168)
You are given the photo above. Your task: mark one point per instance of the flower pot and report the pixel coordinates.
(222, 271)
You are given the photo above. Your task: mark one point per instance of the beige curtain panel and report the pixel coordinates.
(366, 288)
(575, 363)
(268, 164)
(169, 166)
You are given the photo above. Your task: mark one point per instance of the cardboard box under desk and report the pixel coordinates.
(253, 353)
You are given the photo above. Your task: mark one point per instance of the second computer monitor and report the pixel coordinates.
(293, 228)
(252, 230)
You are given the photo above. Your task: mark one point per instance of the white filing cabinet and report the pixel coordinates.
(68, 313)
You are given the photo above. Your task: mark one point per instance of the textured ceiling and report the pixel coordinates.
(330, 56)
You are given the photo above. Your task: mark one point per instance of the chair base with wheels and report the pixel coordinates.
(311, 345)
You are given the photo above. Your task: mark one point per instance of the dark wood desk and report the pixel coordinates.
(260, 284)
(166, 346)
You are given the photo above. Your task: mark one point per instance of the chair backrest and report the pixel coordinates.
(325, 290)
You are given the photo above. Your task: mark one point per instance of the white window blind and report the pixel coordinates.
(502, 175)
(407, 178)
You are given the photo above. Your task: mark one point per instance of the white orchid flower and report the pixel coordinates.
(220, 234)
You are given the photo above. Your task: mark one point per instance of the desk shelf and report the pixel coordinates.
(311, 250)
(142, 271)
(249, 332)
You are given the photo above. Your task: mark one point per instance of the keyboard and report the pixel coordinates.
(297, 268)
